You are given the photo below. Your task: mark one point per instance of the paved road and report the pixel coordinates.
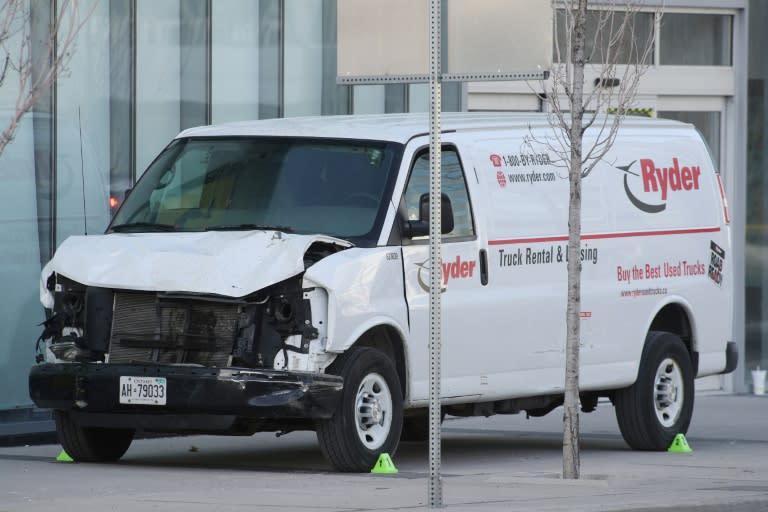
(500, 463)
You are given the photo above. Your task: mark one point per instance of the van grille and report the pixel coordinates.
(150, 328)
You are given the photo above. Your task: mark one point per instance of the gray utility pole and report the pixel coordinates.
(381, 54)
(435, 212)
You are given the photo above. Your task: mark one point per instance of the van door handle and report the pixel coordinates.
(483, 267)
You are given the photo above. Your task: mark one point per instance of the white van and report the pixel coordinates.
(273, 276)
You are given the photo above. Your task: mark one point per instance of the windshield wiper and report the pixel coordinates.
(148, 227)
(250, 227)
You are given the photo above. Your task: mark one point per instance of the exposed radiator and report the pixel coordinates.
(149, 328)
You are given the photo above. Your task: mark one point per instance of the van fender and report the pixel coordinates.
(687, 308)
(676, 300)
(365, 289)
(341, 345)
(338, 346)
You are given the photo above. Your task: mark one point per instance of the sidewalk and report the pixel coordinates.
(503, 463)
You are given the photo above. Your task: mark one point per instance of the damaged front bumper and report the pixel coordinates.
(198, 398)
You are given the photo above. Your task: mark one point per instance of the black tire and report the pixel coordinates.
(354, 437)
(651, 411)
(91, 444)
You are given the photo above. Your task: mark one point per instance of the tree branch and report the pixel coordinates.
(34, 78)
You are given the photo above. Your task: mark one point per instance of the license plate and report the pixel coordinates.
(143, 390)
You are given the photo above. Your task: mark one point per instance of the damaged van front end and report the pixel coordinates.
(193, 312)
(114, 344)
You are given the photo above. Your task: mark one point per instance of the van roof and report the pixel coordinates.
(391, 127)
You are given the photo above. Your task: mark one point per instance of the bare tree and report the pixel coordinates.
(588, 43)
(34, 76)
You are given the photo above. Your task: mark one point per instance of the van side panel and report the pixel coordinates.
(658, 205)
(525, 214)
(651, 227)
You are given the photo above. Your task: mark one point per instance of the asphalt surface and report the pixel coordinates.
(489, 464)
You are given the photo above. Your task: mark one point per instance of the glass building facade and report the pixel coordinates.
(756, 251)
(143, 70)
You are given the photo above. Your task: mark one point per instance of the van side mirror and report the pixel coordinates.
(414, 228)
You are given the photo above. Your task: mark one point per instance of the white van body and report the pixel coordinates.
(656, 285)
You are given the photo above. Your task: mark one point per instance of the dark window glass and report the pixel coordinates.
(605, 42)
(756, 250)
(306, 185)
(453, 186)
(695, 39)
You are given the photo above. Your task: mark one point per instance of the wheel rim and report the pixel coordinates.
(668, 392)
(373, 411)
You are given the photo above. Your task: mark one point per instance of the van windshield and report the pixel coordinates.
(299, 185)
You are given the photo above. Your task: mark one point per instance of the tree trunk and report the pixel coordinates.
(571, 462)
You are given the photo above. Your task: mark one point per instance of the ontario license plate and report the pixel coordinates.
(143, 390)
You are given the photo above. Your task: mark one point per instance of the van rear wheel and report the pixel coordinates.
(370, 414)
(91, 444)
(659, 405)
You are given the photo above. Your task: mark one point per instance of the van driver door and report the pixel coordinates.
(462, 284)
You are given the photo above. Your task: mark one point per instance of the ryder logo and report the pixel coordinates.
(661, 181)
(456, 269)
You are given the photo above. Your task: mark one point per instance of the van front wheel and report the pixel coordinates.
(91, 444)
(370, 414)
(659, 405)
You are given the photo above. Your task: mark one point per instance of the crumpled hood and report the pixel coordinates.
(231, 264)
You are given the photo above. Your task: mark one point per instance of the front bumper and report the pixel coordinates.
(222, 395)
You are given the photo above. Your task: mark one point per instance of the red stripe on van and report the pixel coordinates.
(726, 213)
(600, 236)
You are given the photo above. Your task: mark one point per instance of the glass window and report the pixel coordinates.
(235, 60)
(299, 185)
(309, 61)
(368, 99)
(158, 78)
(195, 63)
(83, 132)
(303, 65)
(21, 312)
(695, 39)
(756, 248)
(453, 186)
(122, 70)
(602, 27)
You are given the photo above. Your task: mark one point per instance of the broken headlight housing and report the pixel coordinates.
(77, 329)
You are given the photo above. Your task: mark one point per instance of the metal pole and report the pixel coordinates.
(435, 478)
